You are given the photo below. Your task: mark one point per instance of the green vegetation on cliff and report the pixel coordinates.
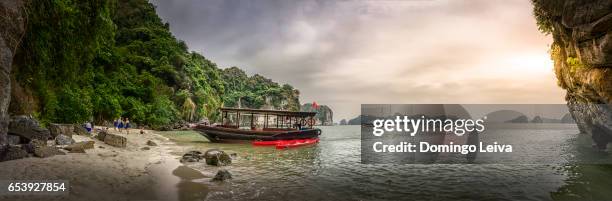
(258, 92)
(98, 60)
(543, 15)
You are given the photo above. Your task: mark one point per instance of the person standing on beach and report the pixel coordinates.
(120, 126)
(116, 123)
(127, 126)
(88, 127)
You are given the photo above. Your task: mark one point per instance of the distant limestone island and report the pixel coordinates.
(357, 120)
(511, 116)
(501, 116)
(324, 116)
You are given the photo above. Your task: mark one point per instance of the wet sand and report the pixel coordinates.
(111, 173)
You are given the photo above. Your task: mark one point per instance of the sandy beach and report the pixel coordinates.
(104, 172)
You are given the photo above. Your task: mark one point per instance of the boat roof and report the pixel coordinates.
(272, 112)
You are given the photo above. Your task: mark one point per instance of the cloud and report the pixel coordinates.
(344, 53)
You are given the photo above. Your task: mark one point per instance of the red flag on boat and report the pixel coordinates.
(315, 105)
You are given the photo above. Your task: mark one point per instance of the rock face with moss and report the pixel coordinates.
(582, 53)
(12, 22)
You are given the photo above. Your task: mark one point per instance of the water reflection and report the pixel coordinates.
(588, 172)
(585, 182)
(331, 170)
(191, 185)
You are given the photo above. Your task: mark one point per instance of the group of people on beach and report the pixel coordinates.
(122, 124)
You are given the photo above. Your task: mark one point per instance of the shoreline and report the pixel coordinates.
(110, 173)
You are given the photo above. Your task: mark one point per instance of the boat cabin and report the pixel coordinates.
(266, 120)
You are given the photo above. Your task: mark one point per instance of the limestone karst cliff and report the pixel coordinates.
(325, 115)
(12, 22)
(582, 54)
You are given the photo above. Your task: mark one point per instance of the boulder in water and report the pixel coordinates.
(189, 159)
(222, 175)
(217, 157)
(151, 143)
(63, 140)
(192, 156)
(234, 155)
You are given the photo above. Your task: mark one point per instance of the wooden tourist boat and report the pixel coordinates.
(260, 125)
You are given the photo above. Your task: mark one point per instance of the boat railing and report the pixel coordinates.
(273, 120)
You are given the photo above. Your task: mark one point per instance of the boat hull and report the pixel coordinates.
(220, 134)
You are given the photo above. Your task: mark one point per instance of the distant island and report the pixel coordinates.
(511, 116)
(501, 116)
(357, 120)
(325, 115)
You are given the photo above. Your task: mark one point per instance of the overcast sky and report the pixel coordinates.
(349, 52)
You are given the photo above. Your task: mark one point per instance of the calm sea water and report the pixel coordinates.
(332, 170)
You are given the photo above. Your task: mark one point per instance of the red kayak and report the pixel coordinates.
(268, 143)
(281, 144)
(296, 143)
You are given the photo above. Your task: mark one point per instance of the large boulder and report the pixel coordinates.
(112, 139)
(80, 146)
(27, 127)
(61, 129)
(151, 143)
(47, 151)
(192, 156)
(101, 135)
(34, 144)
(12, 153)
(222, 175)
(40, 149)
(217, 157)
(14, 140)
(115, 140)
(79, 130)
(63, 140)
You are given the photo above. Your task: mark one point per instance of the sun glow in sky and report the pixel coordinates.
(345, 53)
